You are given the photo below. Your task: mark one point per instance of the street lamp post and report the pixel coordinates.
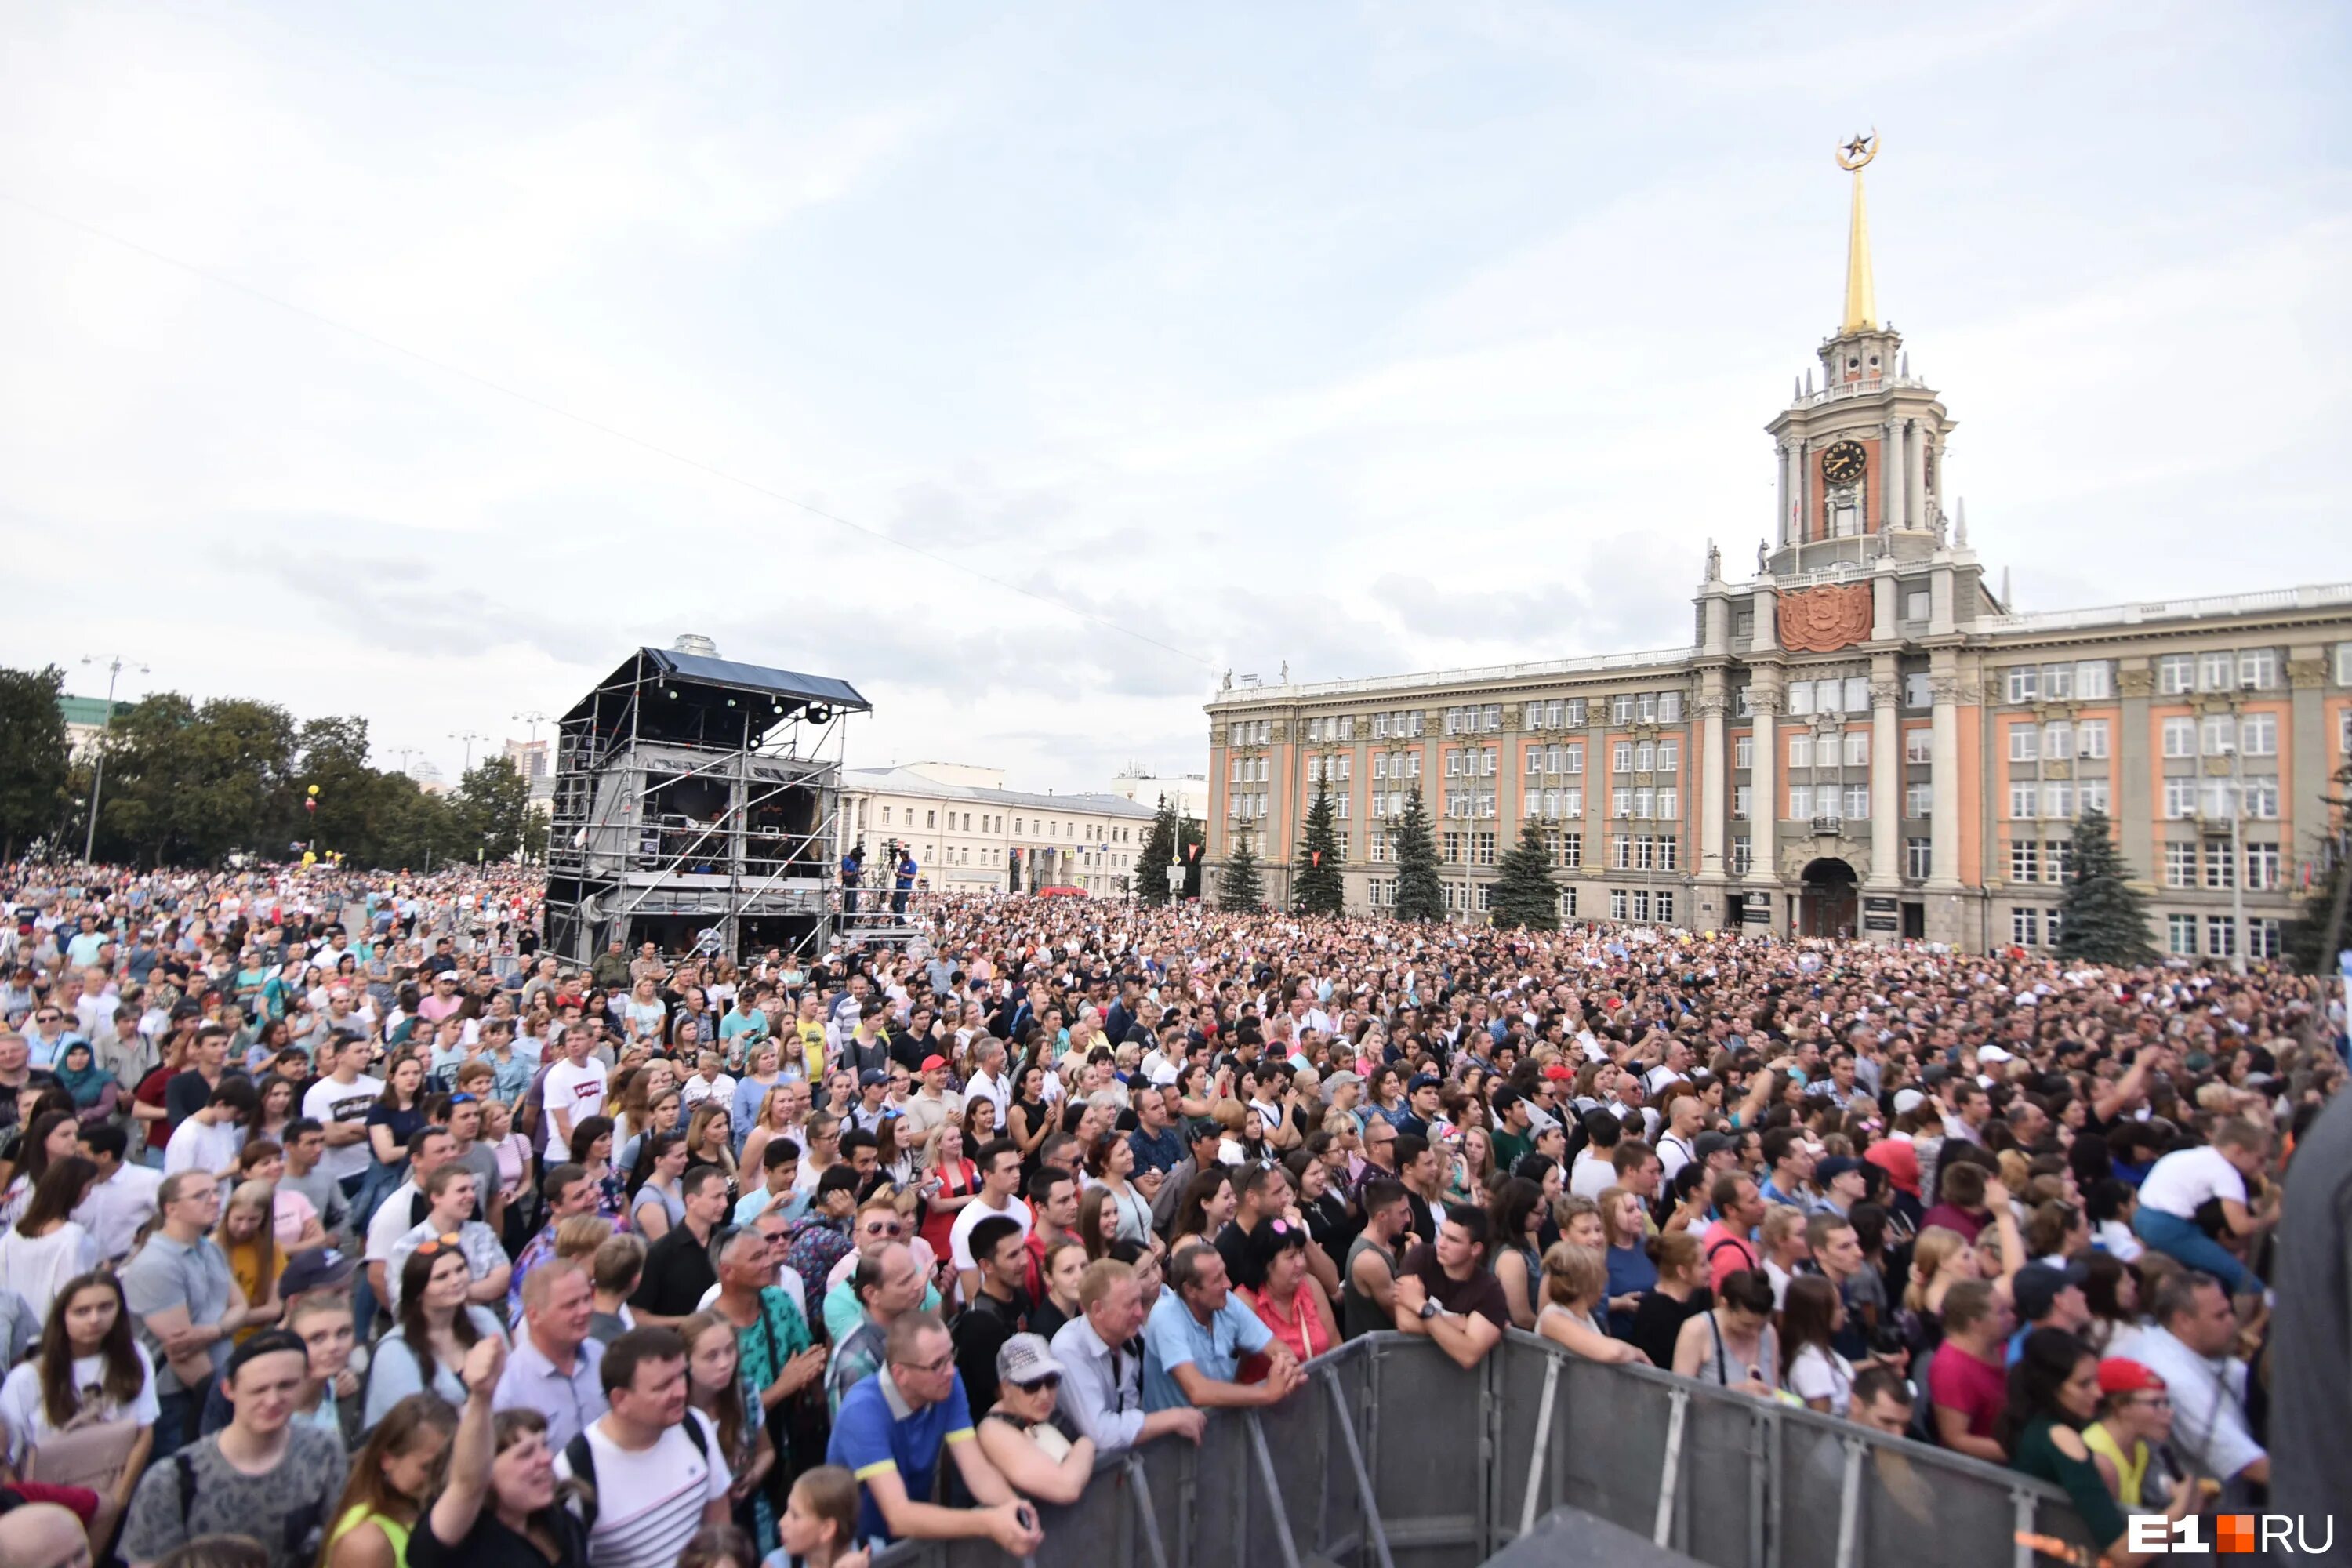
(2238, 830)
(468, 737)
(115, 666)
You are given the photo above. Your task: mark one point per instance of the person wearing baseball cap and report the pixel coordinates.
(931, 1107)
(1840, 1180)
(2134, 1421)
(1019, 1434)
(2048, 1296)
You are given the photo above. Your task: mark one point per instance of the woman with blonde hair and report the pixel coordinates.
(772, 1121)
(708, 1141)
(245, 1232)
(1575, 1280)
(395, 1473)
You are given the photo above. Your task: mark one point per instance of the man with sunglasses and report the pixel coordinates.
(890, 1432)
(878, 1224)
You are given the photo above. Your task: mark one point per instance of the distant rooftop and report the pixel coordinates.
(907, 781)
(89, 711)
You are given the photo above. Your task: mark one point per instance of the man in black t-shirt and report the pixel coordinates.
(678, 1270)
(1446, 1293)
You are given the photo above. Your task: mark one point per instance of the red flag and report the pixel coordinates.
(1319, 857)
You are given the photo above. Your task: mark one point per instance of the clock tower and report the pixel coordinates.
(1861, 456)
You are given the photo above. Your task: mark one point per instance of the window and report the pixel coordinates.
(2025, 862)
(2058, 742)
(2262, 800)
(2092, 682)
(1485, 891)
(1918, 801)
(2181, 935)
(1535, 759)
(2057, 799)
(886, 817)
(1742, 706)
(1915, 605)
(1918, 690)
(1571, 850)
(2024, 744)
(2344, 664)
(1645, 802)
(1665, 902)
(1621, 851)
(1857, 694)
(1800, 801)
(2025, 683)
(2217, 864)
(1621, 757)
(2022, 799)
(2091, 795)
(2179, 864)
(2025, 927)
(1670, 707)
(1919, 858)
(1857, 748)
(1571, 803)
(2175, 673)
(1670, 756)
(1743, 751)
(1743, 854)
(1828, 696)
(1450, 848)
(1482, 848)
(2180, 737)
(2091, 738)
(1621, 708)
(2213, 801)
(1571, 758)
(2221, 936)
(1568, 903)
(1918, 745)
(931, 819)
(2216, 671)
(2216, 735)
(2258, 670)
(1801, 698)
(1741, 794)
(1616, 903)
(1800, 749)
(2262, 867)
(1645, 757)
(1620, 803)
(2262, 939)
(1857, 802)
(2258, 734)
(2057, 681)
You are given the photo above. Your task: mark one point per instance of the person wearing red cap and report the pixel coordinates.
(932, 1106)
(2134, 1420)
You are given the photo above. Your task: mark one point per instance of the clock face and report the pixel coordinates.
(1844, 462)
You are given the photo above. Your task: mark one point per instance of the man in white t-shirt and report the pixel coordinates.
(2184, 1181)
(339, 1103)
(1000, 1179)
(658, 1480)
(209, 1139)
(573, 1092)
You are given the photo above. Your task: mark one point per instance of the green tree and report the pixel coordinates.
(1524, 894)
(1316, 889)
(1157, 853)
(1240, 891)
(187, 784)
(2101, 918)
(1419, 894)
(493, 809)
(33, 755)
(2319, 930)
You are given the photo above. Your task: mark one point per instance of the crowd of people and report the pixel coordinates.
(343, 1225)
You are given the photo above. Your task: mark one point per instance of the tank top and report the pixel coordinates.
(1359, 1313)
(393, 1532)
(2129, 1473)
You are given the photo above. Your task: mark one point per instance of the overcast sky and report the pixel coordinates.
(1133, 343)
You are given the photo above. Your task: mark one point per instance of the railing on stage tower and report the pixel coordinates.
(1393, 1457)
(696, 806)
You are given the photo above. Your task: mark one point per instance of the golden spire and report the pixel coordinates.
(1861, 299)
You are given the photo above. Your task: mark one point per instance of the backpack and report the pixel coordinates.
(581, 1455)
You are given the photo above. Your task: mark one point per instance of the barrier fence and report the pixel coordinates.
(1393, 1457)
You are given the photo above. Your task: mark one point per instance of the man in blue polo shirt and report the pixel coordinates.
(1194, 1340)
(888, 1434)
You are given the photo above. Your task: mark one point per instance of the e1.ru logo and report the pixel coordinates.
(2239, 1534)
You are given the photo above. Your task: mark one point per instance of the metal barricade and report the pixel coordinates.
(1393, 1457)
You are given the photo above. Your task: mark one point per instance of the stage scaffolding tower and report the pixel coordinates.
(696, 806)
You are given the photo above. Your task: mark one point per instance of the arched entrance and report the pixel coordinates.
(1827, 905)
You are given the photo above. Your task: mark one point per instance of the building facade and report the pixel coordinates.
(1861, 737)
(970, 835)
(1188, 792)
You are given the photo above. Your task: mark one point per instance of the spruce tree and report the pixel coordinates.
(1524, 894)
(1419, 896)
(1240, 891)
(1157, 853)
(1316, 889)
(2101, 918)
(2319, 929)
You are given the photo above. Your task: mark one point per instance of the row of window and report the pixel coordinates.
(1854, 745)
(2249, 669)
(2057, 800)
(1251, 732)
(2256, 734)
(1249, 769)
(1477, 763)
(2264, 868)
(1332, 769)
(1473, 718)
(1468, 802)
(1851, 803)
(2059, 741)
(1556, 758)
(2221, 936)
(1559, 714)
(1341, 728)
(2088, 680)
(2212, 799)
(1045, 828)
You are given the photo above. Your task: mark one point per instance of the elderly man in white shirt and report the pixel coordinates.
(2189, 1349)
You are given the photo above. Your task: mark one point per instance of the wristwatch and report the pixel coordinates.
(1430, 1309)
